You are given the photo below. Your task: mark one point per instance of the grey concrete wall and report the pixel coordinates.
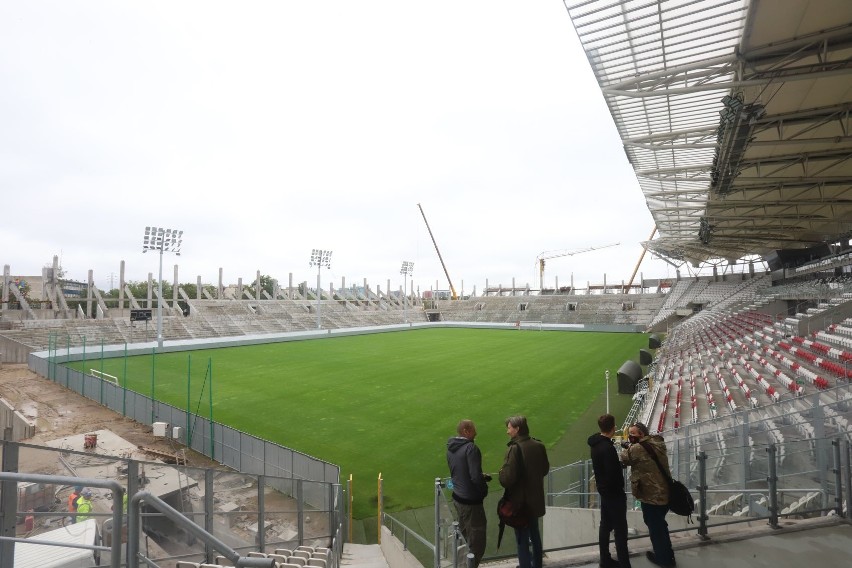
(570, 527)
(12, 351)
(15, 423)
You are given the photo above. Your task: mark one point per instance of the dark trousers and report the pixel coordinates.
(658, 529)
(614, 519)
(472, 525)
(529, 535)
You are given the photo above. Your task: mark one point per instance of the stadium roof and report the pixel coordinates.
(735, 116)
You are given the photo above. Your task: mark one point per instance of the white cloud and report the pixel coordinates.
(266, 129)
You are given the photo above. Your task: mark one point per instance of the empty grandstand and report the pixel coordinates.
(735, 118)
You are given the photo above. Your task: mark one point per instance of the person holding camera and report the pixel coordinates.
(522, 475)
(650, 488)
(609, 479)
(470, 487)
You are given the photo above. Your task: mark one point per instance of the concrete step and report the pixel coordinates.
(363, 556)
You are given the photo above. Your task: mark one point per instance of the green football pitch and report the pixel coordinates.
(387, 403)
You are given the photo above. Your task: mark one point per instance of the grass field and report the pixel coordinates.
(388, 402)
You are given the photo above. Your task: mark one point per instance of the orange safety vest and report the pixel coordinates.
(72, 502)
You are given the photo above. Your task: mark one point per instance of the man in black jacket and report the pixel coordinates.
(469, 487)
(609, 478)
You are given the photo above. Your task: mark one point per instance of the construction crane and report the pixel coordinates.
(447, 274)
(641, 258)
(548, 254)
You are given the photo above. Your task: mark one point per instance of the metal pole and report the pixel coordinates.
(349, 519)
(405, 298)
(702, 495)
(437, 561)
(133, 528)
(160, 301)
(319, 293)
(117, 500)
(83, 377)
(261, 511)
(838, 478)
(848, 477)
(188, 395)
(8, 504)
(153, 371)
(455, 544)
(212, 430)
(300, 512)
(209, 509)
(607, 391)
(772, 480)
(380, 502)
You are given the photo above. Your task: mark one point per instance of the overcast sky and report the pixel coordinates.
(266, 129)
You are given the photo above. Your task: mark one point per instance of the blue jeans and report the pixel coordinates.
(523, 538)
(658, 529)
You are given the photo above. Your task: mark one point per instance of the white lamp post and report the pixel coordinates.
(407, 268)
(320, 258)
(161, 240)
(607, 391)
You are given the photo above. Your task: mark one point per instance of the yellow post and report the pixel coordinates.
(380, 502)
(350, 507)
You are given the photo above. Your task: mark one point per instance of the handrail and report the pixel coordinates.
(407, 530)
(134, 510)
(117, 498)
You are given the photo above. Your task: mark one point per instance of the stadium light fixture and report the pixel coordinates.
(161, 240)
(320, 258)
(407, 268)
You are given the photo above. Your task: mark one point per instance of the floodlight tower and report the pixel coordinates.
(407, 268)
(161, 240)
(320, 258)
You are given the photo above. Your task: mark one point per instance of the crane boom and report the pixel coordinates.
(548, 254)
(641, 258)
(444, 266)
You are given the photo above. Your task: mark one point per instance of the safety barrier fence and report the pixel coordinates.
(775, 491)
(231, 447)
(242, 509)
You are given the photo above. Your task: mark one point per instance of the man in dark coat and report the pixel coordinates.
(609, 478)
(522, 475)
(469, 487)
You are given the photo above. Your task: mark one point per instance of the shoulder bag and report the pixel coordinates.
(680, 501)
(508, 512)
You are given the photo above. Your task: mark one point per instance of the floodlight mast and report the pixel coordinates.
(161, 240)
(319, 258)
(407, 268)
(548, 254)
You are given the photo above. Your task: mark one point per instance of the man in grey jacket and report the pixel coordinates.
(470, 487)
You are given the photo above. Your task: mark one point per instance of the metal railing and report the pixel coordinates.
(776, 490)
(8, 513)
(190, 489)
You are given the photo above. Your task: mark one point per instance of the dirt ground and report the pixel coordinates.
(59, 412)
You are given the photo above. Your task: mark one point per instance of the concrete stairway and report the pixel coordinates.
(363, 556)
